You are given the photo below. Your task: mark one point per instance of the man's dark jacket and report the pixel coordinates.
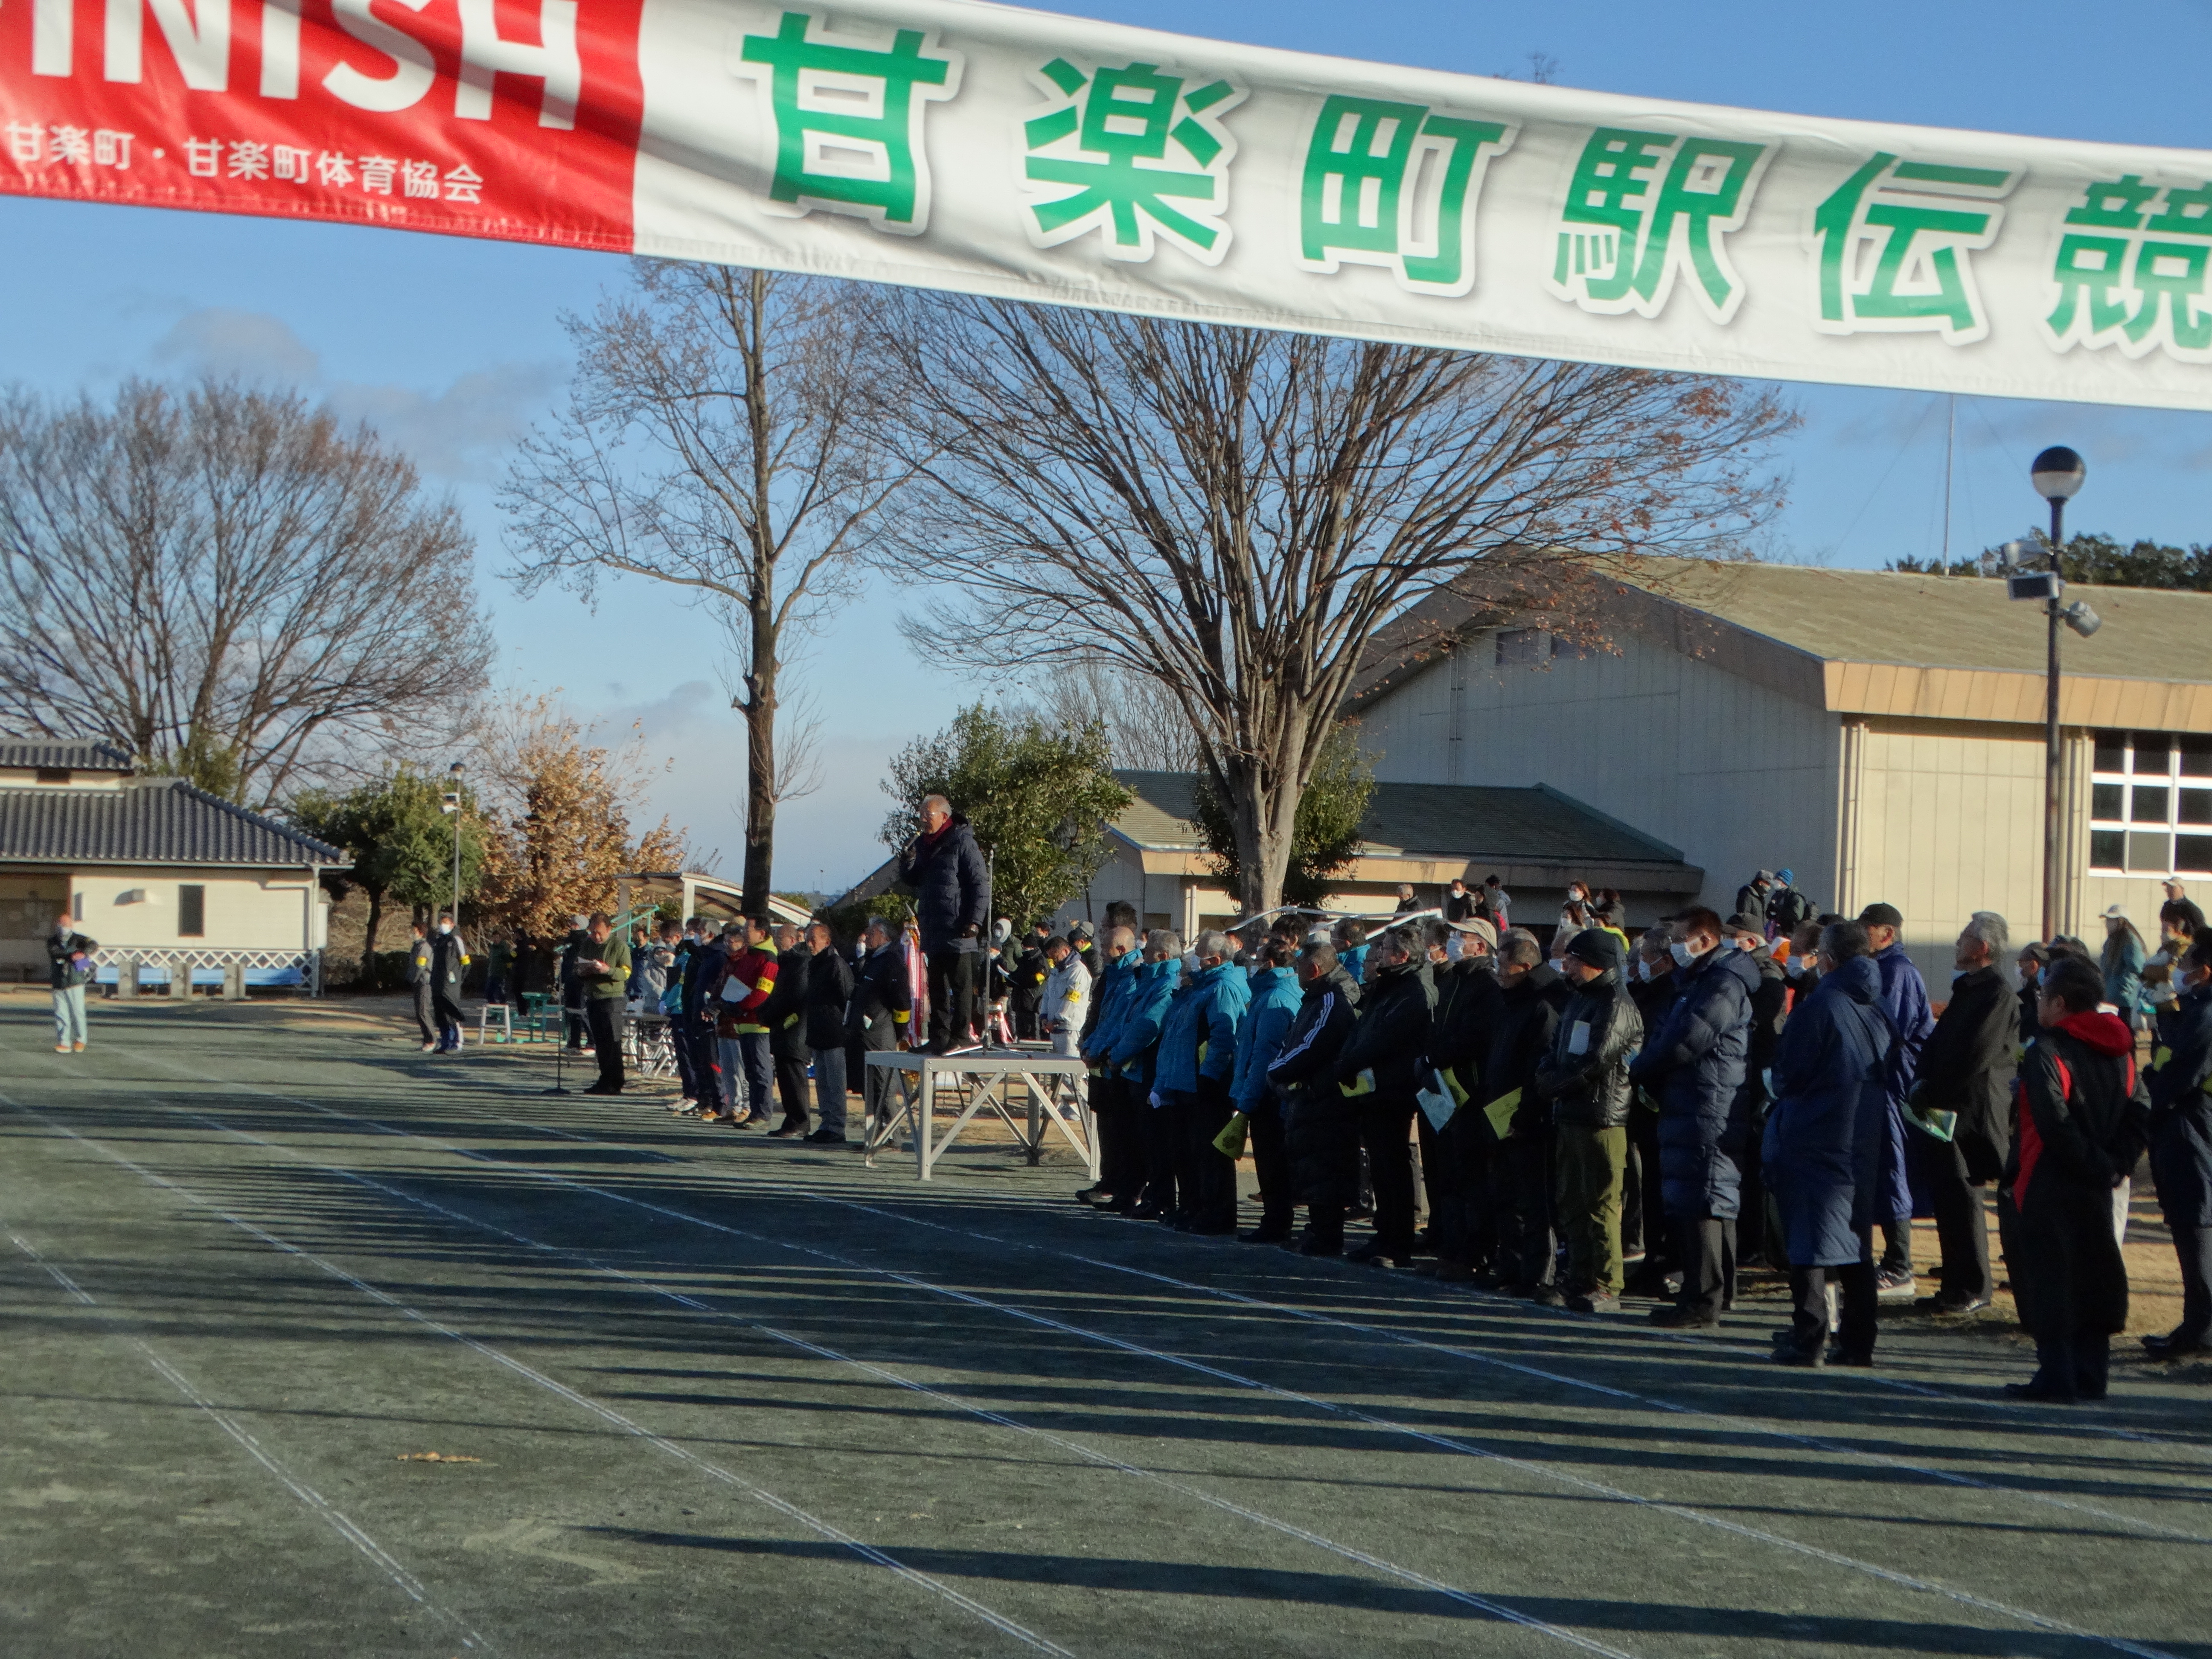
(1693, 1065)
(1520, 1036)
(1469, 998)
(2181, 1110)
(829, 988)
(1822, 1152)
(1321, 1131)
(1391, 1033)
(60, 947)
(1588, 1087)
(785, 1012)
(1966, 1067)
(881, 997)
(951, 884)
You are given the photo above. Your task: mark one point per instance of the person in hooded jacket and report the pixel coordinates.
(1197, 1068)
(1135, 1060)
(1966, 1067)
(1378, 1071)
(1274, 997)
(2180, 1081)
(2083, 1118)
(1823, 1148)
(1584, 1077)
(1693, 1067)
(944, 869)
(1769, 1004)
(1113, 1107)
(1462, 1226)
(1530, 996)
(1320, 1135)
(1905, 995)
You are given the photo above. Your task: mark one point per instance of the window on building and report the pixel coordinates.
(53, 775)
(2150, 804)
(191, 911)
(1518, 646)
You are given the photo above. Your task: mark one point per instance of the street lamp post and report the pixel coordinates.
(454, 805)
(2056, 474)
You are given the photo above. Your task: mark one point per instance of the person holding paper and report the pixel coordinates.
(1379, 1071)
(1460, 1222)
(1531, 993)
(1964, 1085)
(1585, 1079)
(1693, 1067)
(1318, 1132)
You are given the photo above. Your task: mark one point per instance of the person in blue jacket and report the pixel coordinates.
(1693, 1066)
(1197, 1066)
(1275, 995)
(1135, 1055)
(2180, 1082)
(1905, 997)
(1121, 1152)
(1823, 1149)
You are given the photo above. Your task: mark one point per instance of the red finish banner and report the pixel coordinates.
(512, 118)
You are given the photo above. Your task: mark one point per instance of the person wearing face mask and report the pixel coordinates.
(1378, 1071)
(1823, 1149)
(2082, 1124)
(449, 964)
(1135, 1058)
(419, 988)
(1693, 1066)
(1965, 1067)
(1645, 1238)
(1585, 1079)
(1770, 1003)
(1197, 1064)
(1320, 1137)
(2180, 1081)
(1530, 996)
(2034, 957)
(1461, 1228)
(1905, 995)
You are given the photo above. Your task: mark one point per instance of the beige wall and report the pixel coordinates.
(1739, 778)
(250, 912)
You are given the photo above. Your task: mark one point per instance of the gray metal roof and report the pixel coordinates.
(148, 821)
(77, 754)
(1443, 820)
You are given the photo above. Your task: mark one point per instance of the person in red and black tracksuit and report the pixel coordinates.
(745, 990)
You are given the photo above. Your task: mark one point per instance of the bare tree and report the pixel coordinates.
(716, 439)
(1144, 726)
(230, 584)
(1231, 514)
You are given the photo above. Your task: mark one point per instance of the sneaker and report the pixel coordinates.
(686, 1107)
(61, 1047)
(76, 1047)
(1594, 1302)
(1895, 1284)
(429, 1047)
(1947, 1303)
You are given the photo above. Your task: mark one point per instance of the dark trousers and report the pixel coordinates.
(1385, 1126)
(1658, 1231)
(2193, 1245)
(1120, 1153)
(604, 1016)
(698, 1035)
(1206, 1181)
(760, 1074)
(686, 1067)
(1705, 1246)
(952, 996)
(1271, 1161)
(1157, 1133)
(2077, 1366)
(881, 1038)
(1632, 1200)
(1520, 1202)
(791, 1088)
(446, 1005)
(829, 1089)
(1808, 1297)
(426, 1011)
(1939, 1171)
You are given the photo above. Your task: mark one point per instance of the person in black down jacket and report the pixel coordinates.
(1585, 1079)
(1319, 1132)
(944, 869)
(1823, 1149)
(829, 987)
(1966, 1067)
(1460, 1224)
(1651, 987)
(1379, 1071)
(1769, 1004)
(1693, 1067)
(2181, 1145)
(785, 1016)
(2083, 1118)
(1531, 993)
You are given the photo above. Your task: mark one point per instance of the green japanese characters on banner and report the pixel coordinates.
(1395, 184)
(1894, 245)
(2131, 271)
(1644, 207)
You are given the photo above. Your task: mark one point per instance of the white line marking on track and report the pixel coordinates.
(344, 1527)
(714, 1471)
(1966, 1598)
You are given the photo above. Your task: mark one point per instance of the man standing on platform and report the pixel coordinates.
(944, 869)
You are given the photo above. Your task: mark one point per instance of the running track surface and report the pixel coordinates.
(729, 1395)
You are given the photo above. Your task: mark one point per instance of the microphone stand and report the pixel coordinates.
(560, 1048)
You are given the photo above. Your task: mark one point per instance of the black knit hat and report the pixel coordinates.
(1596, 946)
(1882, 916)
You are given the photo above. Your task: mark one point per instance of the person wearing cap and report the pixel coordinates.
(2179, 906)
(1462, 1227)
(1750, 898)
(1083, 940)
(1787, 909)
(1693, 1068)
(1905, 997)
(1585, 1079)
(2122, 964)
(1822, 1149)
(1065, 998)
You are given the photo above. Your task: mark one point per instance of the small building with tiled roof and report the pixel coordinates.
(176, 885)
(1880, 734)
(1534, 838)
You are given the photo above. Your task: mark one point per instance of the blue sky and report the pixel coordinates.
(453, 348)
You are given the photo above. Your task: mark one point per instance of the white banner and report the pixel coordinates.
(951, 144)
(1014, 153)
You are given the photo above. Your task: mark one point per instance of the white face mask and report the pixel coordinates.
(445, 926)
(1794, 968)
(1683, 954)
